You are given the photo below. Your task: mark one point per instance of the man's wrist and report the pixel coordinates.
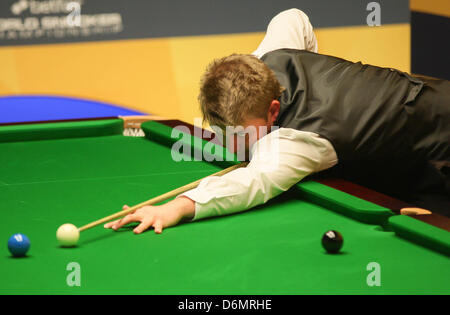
(186, 207)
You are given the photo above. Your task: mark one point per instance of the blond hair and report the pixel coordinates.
(237, 87)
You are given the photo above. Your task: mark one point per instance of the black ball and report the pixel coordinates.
(332, 241)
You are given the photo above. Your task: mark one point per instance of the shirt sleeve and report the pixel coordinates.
(288, 29)
(279, 160)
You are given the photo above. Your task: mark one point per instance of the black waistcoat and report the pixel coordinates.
(359, 108)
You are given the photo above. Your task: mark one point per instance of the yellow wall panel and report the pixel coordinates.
(384, 46)
(9, 83)
(136, 74)
(437, 7)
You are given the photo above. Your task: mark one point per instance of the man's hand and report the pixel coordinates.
(158, 217)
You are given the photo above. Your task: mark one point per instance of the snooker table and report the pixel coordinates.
(80, 171)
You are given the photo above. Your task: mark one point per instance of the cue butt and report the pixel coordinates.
(414, 211)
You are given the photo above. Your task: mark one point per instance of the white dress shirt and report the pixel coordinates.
(281, 158)
(288, 29)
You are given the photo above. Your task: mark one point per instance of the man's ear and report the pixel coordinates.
(274, 110)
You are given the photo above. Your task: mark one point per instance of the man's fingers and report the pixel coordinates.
(125, 220)
(137, 216)
(110, 224)
(116, 222)
(158, 226)
(143, 226)
(125, 207)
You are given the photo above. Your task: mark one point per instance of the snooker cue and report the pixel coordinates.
(160, 198)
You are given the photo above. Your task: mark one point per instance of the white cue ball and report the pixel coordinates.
(67, 235)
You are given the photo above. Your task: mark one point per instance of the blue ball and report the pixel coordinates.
(18, 245)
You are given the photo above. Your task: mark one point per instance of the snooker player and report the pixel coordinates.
(379, 127)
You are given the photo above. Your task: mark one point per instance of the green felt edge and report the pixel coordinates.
(346, 204)
(61, 130)
(200, 149)
(421, 233)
